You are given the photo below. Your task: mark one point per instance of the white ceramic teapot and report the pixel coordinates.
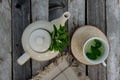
(36, 40)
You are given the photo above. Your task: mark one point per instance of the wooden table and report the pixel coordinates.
(15, 15)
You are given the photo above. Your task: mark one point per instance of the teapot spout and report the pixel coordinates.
(61, 21)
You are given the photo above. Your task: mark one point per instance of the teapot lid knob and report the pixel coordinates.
(40, 40)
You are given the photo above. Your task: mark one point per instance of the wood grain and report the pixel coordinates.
(96, 17)
(5, 40)
(113, 32)
(77, 19)
(39, 12)
(20, 20)
(77, 10)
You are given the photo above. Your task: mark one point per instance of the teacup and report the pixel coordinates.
(80, 39)
(96, 50)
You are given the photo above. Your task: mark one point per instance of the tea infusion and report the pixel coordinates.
(94, 49)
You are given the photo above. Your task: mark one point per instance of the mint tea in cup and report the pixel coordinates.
(95, 50)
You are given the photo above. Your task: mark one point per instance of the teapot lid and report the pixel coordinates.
(40, 40)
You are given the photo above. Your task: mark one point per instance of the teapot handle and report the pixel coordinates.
(22, 59)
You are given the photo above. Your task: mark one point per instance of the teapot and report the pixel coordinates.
(36, 39)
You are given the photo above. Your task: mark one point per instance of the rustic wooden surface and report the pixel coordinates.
(96, 17)
(113, 32)
(104, 14)
(20, 20)
(5, 40)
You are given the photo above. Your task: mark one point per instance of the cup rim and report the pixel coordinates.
(101, 60)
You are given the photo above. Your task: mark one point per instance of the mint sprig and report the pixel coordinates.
(59, 39)
(95, 52)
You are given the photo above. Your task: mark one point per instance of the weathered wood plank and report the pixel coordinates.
(5, 40)
(20, 20)
(77, 10)
(113, 32)
(96, 17)
(77, 19)
(39, 12)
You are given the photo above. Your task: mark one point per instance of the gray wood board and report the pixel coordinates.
(20, 20)
(113, 33)
(77, 19)
(39, 12)
(96, 17)
(5, 40)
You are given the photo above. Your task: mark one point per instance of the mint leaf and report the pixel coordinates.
(95, 51)
(91, 56)
(98, 44)
(53, 34)
(98, 53)
(59, 39)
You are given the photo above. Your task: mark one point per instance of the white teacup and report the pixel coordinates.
(105, 53)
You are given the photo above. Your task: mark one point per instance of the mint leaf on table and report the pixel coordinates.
(59, 39)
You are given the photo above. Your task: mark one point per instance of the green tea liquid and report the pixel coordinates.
(92, 53)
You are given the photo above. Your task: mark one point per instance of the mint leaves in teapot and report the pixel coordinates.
(59, 39)
(94, 49)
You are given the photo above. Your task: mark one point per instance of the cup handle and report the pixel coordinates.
(104, 64)
(22, 59)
